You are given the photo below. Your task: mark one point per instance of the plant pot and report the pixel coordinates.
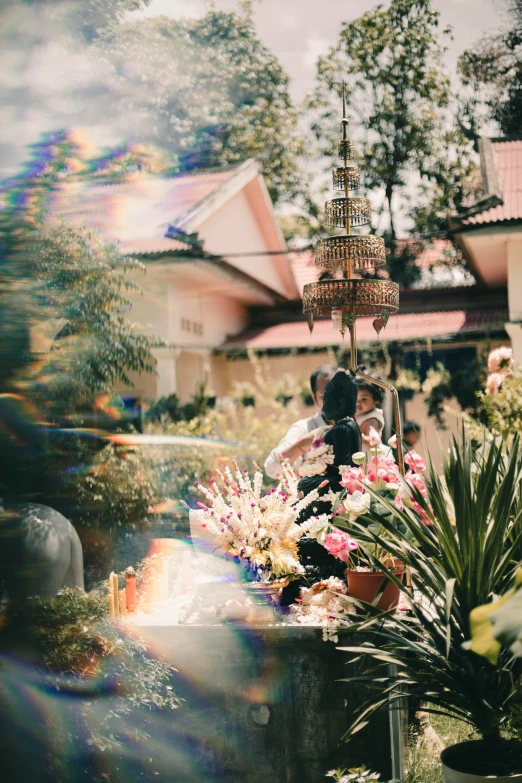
(364, 586)
(473, 762)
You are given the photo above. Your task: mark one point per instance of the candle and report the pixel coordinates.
(123, 602)
(113, 583)
(130, 589)
(112, 610)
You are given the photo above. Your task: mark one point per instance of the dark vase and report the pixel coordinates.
(248, 402)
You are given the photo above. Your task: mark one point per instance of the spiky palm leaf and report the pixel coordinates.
(467, 555)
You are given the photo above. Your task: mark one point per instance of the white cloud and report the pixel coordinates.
(315, 47)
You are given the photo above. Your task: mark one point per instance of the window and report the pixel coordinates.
(191, 326)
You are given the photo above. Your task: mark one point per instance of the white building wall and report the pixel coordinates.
(233, 229)
(514, 269)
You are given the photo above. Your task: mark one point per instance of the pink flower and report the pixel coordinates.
(339, 545)
(374, 439)
(398, 502)
(352, 479)
(317, 443)
(392, 443)
(494, 382)
(500, 359)
(415, 461)
(425, 519)
(384, 469)
(416, 480)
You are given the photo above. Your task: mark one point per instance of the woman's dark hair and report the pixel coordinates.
(371, 388)
(340, 400)
(323, 371)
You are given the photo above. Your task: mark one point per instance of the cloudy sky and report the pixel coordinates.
(298, 31)
(50, 80)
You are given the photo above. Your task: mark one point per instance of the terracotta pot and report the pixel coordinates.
(476, 757)
(364, 585)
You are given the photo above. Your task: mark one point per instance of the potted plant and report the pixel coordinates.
(369, 565)
(463, 549)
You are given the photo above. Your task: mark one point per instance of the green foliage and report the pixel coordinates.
(504, 407)
(492, 71)
(73, 279)
(391, 59)
(463, 385)
(214, 93)
(469, 553)
(451, 181)
(171, 409)
(118, 489)
(73, 635)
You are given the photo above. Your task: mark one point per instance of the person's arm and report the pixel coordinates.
(291, 447)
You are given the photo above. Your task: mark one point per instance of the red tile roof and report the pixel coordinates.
(508, 164)
(152, 246)
(405, 326)
(140, 208)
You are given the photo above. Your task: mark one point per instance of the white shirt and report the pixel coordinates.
(295, 433)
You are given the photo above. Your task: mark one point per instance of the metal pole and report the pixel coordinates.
(388, 386)
(396, 735)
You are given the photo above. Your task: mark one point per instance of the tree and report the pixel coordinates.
(206, 90)
(492, 70)
(216, 94)
(450, 184)
(397, 88)
(398, 100)
(71, 278)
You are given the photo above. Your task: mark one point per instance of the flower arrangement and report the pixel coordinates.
(327, 604)
(362, 485)
(500, 366)
(317, 459)
(258, 529)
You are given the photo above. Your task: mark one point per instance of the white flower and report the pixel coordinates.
(357, 503)
(392, 443)
(317, 527)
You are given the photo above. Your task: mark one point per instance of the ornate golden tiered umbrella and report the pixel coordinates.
(345, 299)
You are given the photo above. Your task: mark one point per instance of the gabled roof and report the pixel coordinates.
(501, 166)
(143, 207)
(151, 215)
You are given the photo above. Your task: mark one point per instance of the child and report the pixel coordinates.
(368, 414)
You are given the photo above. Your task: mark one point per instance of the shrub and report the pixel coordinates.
(87, 654)
(118, 489)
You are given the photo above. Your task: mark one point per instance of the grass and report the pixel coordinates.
(423, 762)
